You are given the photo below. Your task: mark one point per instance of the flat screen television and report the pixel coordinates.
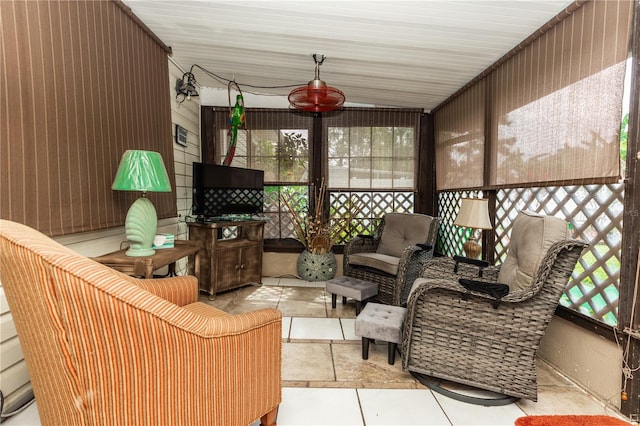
(224, 190)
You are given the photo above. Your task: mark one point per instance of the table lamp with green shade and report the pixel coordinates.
(142, 171)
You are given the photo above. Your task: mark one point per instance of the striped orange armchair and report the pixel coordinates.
(103, 348)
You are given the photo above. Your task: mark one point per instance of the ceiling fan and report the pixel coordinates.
(316, 96)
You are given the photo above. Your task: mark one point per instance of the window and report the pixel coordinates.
(460, 140)
(283, 154)
(371, 162)
(278, 142)
(368, 157)
(371, 157)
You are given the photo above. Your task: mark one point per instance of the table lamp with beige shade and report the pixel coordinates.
(474, 214)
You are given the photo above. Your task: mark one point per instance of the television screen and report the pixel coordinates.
(224, 190)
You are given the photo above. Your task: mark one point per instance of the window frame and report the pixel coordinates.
(318, 156)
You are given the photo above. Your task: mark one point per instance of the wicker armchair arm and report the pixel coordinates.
(448, 268)
(366, 236)
(409, 266)
(491, 273)
(476, 262)
(407, 257)
(361, 244)
(423, 285)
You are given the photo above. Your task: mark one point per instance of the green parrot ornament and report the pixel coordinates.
(236, 121)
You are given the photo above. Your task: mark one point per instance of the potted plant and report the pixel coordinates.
(317, 262)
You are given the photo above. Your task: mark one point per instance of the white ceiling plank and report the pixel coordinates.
(396, 53)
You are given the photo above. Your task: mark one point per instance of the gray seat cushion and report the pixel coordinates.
(381, 262)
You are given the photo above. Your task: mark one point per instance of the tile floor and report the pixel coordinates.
(326, 381)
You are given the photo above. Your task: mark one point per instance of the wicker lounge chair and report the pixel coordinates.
(394, 256)
(472, 338)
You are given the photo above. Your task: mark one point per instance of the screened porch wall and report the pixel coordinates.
(540, 130)
(594, 213)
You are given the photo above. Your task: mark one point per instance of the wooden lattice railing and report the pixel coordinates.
(595, 213)
(372, 206)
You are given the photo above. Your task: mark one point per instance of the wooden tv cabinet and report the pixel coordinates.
(231, 254)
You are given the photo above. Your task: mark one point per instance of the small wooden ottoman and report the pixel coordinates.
(356, 289)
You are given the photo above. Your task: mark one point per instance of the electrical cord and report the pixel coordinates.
(226, 81)
(627, 371)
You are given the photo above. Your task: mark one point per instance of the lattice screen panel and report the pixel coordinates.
(595, 213)
(452, 237)
(280, 224)
(373, 205)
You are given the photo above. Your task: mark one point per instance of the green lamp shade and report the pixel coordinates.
(141, 171)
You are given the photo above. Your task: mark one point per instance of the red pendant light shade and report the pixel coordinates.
(316, 96)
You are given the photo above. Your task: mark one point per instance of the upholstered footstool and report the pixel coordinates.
(356, 289)
(381, 322)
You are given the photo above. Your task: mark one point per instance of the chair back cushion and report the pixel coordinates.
(531, 237)
(402, 230)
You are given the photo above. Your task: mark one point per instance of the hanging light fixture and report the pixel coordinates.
(316, 96)
(186, 86)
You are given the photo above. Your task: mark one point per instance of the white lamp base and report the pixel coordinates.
(140, 228)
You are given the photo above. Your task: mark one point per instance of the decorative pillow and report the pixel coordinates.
(531, 237)
(402, 230)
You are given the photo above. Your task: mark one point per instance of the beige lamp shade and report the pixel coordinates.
(474, 213)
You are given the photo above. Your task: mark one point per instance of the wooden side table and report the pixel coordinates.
(145, 265)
